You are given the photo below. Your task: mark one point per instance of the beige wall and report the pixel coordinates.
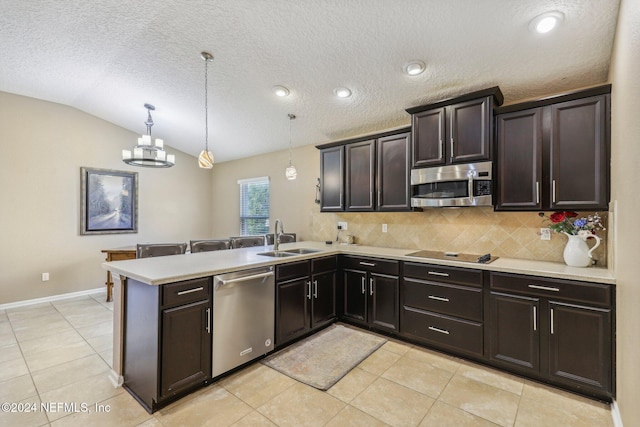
(42, 147)
(625, 175)
(291, 201)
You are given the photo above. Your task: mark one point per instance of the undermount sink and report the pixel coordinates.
(289, 252)
(302, 251)
(276, 254)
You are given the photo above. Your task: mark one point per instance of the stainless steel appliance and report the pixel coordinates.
(243, 317)
(468, 184)
(454, 256)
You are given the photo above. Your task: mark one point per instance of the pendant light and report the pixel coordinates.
(205, 159)
(147, 153)
(291, 173)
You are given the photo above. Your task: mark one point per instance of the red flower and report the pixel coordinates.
(570, 214)
(557, 217)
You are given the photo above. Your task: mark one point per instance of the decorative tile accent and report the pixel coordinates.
(471, 230)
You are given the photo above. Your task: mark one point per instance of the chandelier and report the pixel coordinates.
(149, 153)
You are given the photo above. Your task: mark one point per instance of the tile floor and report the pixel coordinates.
(59, 353)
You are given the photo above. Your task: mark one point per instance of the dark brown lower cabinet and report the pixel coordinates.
(557, 331)
(167, 340)
(371, 293)
(305, 297)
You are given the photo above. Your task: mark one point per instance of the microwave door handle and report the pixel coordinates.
(471, 189)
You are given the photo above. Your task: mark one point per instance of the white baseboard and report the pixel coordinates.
(615, 414)
(116, 380)
(52, 298)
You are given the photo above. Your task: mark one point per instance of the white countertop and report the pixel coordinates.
(168, 269)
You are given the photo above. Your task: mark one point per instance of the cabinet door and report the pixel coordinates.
(428, 138)
(332, 179)
(580, 345)
(470, 131)
(520, 160)
(355, 295)
(514, 331)
(393, 164)
(186, 347)
(359, 182)
(579, 145)
(384, 301)
(292, 309)
(323, 307)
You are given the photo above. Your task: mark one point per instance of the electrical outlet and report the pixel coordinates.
(384, 228)
(342, 225)
(45, 277)
(545, 234)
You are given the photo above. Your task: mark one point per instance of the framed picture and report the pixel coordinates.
(109, 201)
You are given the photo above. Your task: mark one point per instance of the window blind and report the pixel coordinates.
(254, 206)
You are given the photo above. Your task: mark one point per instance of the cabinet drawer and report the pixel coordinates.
(292, 270)
(442, 330)
(592, 293)
(455, 275)
(185, 292)
(319, 265)
(371, 264)
(442, 298)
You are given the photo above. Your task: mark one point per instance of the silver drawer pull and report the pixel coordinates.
(438, 298)
(368, 264)
(189, 291)
(442, 331)
(437, 273)
(544, 288)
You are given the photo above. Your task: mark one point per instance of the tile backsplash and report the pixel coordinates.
(470, 230)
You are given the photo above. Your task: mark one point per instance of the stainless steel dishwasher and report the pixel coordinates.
(243, 317)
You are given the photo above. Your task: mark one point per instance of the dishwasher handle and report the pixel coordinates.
(223, 282)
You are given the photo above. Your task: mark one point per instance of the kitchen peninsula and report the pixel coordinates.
(542, 302)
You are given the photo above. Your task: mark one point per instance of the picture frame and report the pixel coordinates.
(109, 201)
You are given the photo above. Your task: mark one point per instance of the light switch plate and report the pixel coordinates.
(384, 228)
(545, 234)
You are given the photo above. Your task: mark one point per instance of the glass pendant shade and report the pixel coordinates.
(205, 159)
(291, 172)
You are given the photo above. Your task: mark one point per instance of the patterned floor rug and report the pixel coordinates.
(322, 359)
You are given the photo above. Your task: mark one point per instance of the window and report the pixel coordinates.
(254, 206)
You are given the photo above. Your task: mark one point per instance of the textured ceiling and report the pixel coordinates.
(108, 58)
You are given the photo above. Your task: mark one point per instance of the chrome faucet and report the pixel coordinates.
(276, 234)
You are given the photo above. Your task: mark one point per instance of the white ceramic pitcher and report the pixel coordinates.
(576, 252)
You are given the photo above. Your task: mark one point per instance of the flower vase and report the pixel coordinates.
(576, 252)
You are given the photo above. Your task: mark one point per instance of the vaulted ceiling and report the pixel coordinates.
(109, 58)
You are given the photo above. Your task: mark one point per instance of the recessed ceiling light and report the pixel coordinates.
(342, 92)
(413, 68)
(546, 22)
(280, 90)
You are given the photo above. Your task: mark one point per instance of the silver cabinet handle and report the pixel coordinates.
(535, 318)
(545, 288)
(364, 291)
(315, 289)
(437, 273)
(438, 298)
(309, 285)
(441, 149)
(553, 191)
(189, 291)
(371, 286)
(442, 331)
(208, 320)
(451, 154)
(368, 264)
(537, 192)
(552, 321)
(378, 198)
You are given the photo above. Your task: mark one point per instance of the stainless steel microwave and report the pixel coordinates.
(467, 184)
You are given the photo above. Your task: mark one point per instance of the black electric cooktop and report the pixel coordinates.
(455, 256)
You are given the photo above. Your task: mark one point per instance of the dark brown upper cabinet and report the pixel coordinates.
(457, 130)
(367, 174)
(554, 153)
